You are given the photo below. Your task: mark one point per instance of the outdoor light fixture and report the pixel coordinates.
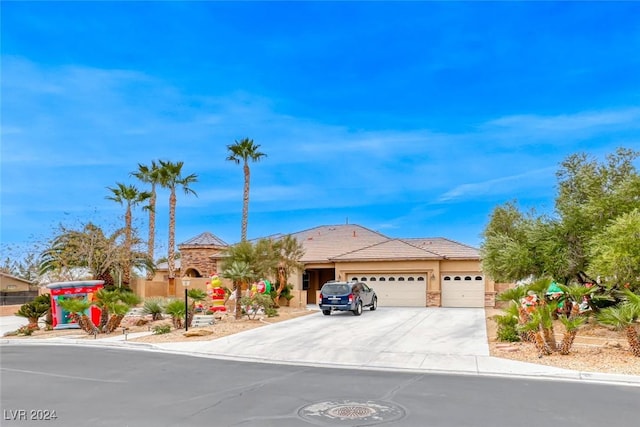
(433, 276)
(186, 281)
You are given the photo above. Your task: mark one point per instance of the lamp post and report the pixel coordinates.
(186, 281)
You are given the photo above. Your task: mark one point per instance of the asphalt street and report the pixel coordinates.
(113, 387)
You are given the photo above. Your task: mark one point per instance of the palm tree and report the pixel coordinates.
(623, 317)
(89, 248)
(290, 253)
(170, 177)
(150, 175)
(78, 309)
(240, 273)
(245, 150)
(130, 196)
(175, 309)
(571, 326)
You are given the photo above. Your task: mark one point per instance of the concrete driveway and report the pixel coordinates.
(390, 337)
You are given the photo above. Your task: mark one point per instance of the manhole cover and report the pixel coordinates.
(346, 412)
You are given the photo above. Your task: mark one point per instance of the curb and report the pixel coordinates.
(562, 375)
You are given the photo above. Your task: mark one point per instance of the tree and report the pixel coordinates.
(170, 177)
(591, 195)
(290, 251)
(615, 251)
(240, 274)
(245, 150)
(175, 308)
(150, 175)
(129, 196)
(89, 248)
(114, 305)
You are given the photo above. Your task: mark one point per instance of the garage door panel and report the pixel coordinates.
(400, 292)
(458, 292)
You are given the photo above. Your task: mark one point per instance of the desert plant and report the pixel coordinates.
(161, 329)
(78, 309)
(175, 309)
(154, 306)
(508, 324)
(35, 309)
(255, 304)
(623, 317)
(271, 312)
(571, 326)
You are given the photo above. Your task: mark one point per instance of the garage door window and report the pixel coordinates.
(400, 279)
(392, 279)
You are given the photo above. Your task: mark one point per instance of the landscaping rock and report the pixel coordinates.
(198, 333)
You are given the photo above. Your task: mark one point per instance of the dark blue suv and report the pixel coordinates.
(345, 296)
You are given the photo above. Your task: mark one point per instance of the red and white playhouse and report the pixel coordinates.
(80, 289)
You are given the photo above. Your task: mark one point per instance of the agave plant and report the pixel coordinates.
(154, 306)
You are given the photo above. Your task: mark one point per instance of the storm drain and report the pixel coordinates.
(348, 412)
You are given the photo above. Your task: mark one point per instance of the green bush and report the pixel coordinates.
(271, 312)
(251, 306)
(507, 328)
(161, 329)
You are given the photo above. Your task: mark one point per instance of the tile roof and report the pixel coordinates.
(204, 239)
(446, 248)
(328, 241)
(393, 249)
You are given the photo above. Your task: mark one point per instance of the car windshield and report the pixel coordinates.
(337, 289)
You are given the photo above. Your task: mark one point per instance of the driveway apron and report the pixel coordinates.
(390, 337)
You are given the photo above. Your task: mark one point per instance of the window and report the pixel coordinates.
(373, 279)
(411, 279)
(355, 279)
(364, 279)
(457, 278)
(382, 279)
(420, 279)
(392, 279)
(467, 278)
(400, 279)
(447, 278)
(478, 277)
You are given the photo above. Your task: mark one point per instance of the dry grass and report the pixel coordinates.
(596, 349)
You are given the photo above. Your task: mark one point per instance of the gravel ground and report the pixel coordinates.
(596, 349)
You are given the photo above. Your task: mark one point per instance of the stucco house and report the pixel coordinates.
(418, 272)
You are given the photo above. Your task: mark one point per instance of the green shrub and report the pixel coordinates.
(507, 328)
(251, 306)
(271, 312)
(161, 329)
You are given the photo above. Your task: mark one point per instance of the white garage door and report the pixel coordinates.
(396, 289)
(462, 290)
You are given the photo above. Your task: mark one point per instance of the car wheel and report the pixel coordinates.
(358, 309)
(326, 312)
(374, 304)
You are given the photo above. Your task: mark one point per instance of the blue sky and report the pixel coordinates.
(414, 119)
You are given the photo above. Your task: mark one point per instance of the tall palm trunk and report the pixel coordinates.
(245, 202)
(152, 229)
(126, 274)
(172, 242)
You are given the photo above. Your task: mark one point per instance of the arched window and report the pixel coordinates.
(478, 277)
(420, 279)
(411, 279)
(373, 279)
(400, 279)
(355, 279)
(382, 279)
(446, 278)
(392, 279)
(457, 278)
(467, 278)
(364, 279)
